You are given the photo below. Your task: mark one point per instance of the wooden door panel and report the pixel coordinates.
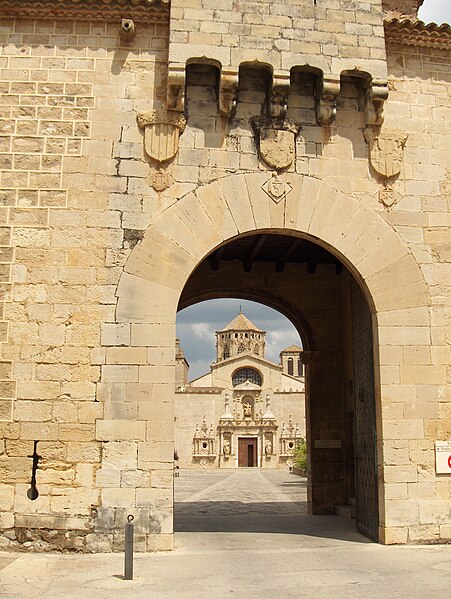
(242, 453)
(247, 452)
(365, 418)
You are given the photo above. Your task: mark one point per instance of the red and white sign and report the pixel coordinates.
(443, 457)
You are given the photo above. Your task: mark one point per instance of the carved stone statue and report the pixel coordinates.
(226, 447)
(268, 448)
(247, 410)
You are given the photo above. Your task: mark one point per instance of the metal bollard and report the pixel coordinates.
(128, 569)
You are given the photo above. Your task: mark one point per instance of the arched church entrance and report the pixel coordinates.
(313, 288)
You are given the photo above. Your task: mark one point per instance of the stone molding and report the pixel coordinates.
(415, 33)
(87, 10)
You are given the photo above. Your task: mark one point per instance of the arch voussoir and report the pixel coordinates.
(236, 196)
(212, 200)
(203, 219)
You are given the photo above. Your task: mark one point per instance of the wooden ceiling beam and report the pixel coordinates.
(280, 264)
(253, 253)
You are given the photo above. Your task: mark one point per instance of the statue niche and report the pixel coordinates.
(248, 407)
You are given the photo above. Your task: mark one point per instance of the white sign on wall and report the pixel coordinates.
(443, 457)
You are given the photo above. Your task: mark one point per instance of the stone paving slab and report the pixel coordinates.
(244, 500)
(214, 566)
(292, 555)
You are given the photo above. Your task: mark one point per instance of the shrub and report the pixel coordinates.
(300, 455)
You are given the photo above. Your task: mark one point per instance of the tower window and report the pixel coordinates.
(226, 353)
(290, 366)
(241, 348)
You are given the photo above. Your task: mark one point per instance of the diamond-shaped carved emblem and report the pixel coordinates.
(277, 188)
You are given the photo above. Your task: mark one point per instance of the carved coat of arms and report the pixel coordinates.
(276, 187)
(276, 141)
(386, 151)
(161, 133)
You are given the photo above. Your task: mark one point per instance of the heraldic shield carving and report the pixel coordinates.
(277, 188)
(276, 141)
(386, 151)
(161, 133)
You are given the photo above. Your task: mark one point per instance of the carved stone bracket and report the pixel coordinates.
(279, 94)
(375, 95)
(326, 103)
(228, 91)
(176, 87)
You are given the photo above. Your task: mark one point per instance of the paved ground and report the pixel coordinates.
(266, 547)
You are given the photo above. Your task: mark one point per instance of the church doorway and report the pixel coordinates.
(247, 452)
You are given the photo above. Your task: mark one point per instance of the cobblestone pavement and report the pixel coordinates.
(261, 543)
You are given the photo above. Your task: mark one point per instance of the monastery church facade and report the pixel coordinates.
(247, 411)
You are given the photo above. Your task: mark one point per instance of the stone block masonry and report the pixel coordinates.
(94, 256)
(68, 144)
(331, 36)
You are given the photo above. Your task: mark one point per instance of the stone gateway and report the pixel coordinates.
(134, 184)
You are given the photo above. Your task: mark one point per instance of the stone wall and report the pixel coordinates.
(332, 36)
(420, 105)
(70, 150)
(88, 322)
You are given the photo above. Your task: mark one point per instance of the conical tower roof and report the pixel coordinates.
(241, 323)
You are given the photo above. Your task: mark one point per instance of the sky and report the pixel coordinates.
(196, 328)
(436, 11)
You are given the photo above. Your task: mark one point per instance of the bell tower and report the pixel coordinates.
(239, 336)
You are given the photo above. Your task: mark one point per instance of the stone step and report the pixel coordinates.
(345, 511)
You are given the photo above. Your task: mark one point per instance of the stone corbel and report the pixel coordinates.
(279, 94)
(326, 102)
(176, 87)
(376, 93)
(228, 87)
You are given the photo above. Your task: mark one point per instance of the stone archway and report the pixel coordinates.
(156, 273)
(194, 225)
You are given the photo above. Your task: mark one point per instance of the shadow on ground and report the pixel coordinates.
(282, 518)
